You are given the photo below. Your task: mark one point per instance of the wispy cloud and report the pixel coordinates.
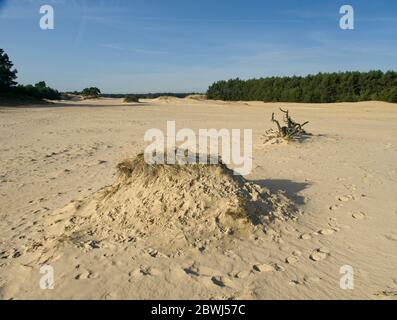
(120, 47)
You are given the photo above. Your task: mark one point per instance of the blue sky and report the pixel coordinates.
(141, 46)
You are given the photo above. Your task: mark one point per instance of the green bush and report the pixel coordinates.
(91, 93)
(129, 99)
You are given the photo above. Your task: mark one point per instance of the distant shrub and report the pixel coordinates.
(91, 93)
(129, 99)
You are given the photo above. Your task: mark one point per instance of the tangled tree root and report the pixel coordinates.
(291, 130)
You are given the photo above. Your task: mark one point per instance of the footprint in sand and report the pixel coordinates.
(311, 279)
(152, 252)
(196, 271)
(291, 259)
(345, 198)
(305, 236)
(294, 283)
(141, 271)
(326, 232)
(334, 207)
(387, 294)
(243, 274)
(191, 271)
(223, 282)
(208, 272)
(10, 254)
(358, 215)
(218, 281)
(297, 253)
(263, 267)
(320, 254)
(279, 267)
(211, 277)
(391, 237)
(86, 274)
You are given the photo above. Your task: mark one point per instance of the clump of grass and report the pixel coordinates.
(138, 167)
(129, 99)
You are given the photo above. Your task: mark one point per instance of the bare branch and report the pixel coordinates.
(276, 122)
(283, 111)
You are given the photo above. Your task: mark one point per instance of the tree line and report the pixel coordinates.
(10, 88)
(319, 88)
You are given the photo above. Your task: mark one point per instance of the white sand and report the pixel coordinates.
(343, 180)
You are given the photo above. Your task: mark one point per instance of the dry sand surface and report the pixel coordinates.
(130, 231)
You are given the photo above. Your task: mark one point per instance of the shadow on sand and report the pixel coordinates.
(4, 104)
(291, 188)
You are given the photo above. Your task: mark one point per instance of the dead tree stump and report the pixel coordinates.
(291, 129)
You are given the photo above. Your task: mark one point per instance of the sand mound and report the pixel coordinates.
(71, 97)
(170, 205)
(166, 99)
(198, 97)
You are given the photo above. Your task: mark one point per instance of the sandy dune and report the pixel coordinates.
(342, 183)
